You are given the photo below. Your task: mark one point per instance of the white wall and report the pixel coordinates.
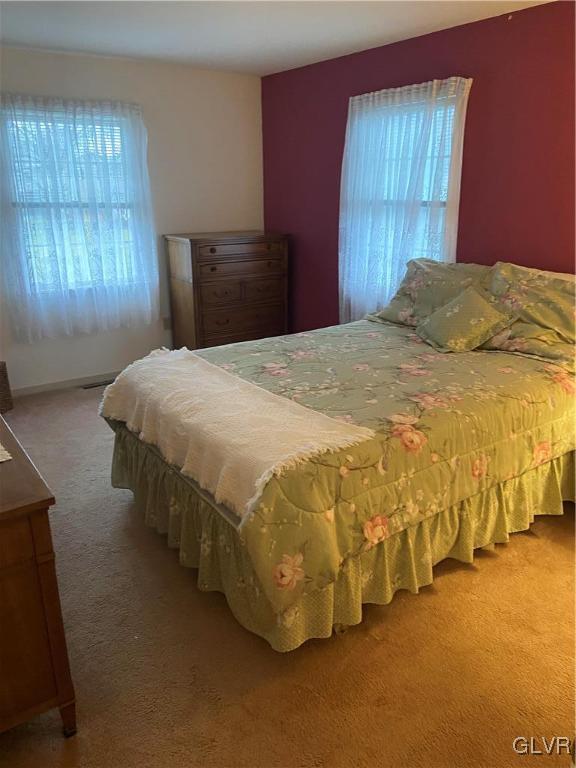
(205, 163)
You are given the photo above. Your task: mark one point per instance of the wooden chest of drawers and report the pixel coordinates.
(227, 287)
(34, 670)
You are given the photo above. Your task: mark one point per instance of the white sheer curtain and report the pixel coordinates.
(400, 187)
(78, 241)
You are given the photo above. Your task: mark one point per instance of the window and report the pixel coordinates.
(400, 187)
(79, 248)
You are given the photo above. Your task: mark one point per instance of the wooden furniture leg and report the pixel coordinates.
(68, 715)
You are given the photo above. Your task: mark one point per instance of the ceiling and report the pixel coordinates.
(253, 37)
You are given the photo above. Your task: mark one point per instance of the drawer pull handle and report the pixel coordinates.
(223, 322)
(213, 269)
(269, 247)
(212, 250)
(220, 294)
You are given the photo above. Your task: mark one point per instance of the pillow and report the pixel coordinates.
(427, 286)
(464, 323)
(530, 339)
(542, 299)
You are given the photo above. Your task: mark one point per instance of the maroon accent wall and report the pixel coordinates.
(517, 194)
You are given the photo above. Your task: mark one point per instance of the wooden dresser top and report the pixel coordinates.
(238, 236)
(22, 488)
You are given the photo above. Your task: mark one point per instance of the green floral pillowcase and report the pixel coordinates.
(464, 323)
(427, 286)
(544, 305)
(539, 299)
(532, 340)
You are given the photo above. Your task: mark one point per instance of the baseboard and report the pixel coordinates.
(67, 384)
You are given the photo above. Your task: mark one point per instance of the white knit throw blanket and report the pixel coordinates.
(229, 435)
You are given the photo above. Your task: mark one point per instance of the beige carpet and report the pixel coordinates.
(166, 677)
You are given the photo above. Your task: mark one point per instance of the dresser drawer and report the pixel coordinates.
(221, 292)
(208, 252)
(245, 267)
(260, 290)
(16, 544)
(234, 321)
(218, 340)
(28, 678)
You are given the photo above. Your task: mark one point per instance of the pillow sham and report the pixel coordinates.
(427, 286)
(464, 323)
(544, 305)
(534, 341)
(542, 299)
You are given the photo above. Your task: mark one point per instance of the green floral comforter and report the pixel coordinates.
(448, 427)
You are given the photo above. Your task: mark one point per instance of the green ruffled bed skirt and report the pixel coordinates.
(207, 541)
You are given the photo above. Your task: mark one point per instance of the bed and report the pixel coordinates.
(464, 449)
